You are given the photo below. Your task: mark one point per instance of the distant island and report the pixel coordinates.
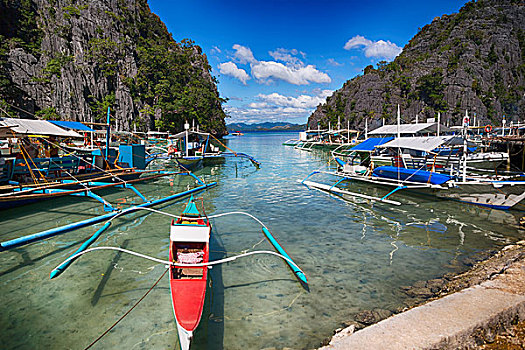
(268, 126)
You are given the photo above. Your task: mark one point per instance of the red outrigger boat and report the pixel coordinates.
(189, 243)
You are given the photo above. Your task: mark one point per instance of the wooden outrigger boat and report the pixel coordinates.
(189, 253)
(192, 149)
(16, 195)
(189, 243)
(497, 192)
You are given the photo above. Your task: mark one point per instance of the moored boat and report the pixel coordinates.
(189, 244)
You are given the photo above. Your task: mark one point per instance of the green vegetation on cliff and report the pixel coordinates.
(88, 55)
(19, 29)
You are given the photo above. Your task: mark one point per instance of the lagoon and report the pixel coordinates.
(357, 256)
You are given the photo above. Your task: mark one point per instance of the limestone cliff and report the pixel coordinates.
(71, 59)
(472, 60)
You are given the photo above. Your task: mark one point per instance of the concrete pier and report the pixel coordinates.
(460, 320)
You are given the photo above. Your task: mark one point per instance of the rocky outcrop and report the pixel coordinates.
(73, 59)
(472, 60)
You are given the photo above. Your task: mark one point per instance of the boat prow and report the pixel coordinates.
(185, 337)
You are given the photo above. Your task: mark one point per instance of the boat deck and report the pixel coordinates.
(188, 249)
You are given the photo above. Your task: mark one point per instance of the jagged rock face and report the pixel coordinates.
(94, 54)
(472, 60)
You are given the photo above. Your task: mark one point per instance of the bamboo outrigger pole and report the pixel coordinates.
(71, 227)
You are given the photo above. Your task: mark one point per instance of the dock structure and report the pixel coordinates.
(514, 145)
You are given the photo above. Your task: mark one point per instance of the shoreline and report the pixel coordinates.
(499, 266)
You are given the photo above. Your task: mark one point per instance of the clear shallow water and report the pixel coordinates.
(356, 256)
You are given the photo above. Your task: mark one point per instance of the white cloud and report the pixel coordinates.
(277, 107)
(378, 49)
(333, 62)
(293, 71)
(274, 114)
(215, 50)
(302, 101)
(258, 105)
(230, 68)
(287, 56)
(243, 54)
(357, 40)
(265, 70)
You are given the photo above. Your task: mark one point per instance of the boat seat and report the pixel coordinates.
(192, 272)
(190, 250)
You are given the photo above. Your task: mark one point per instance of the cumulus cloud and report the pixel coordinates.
(378, 49)
(243, 54)
(277, 107)
(287, 56)
(231, 69)
(302, 101)
(266, 70)
(258, 105)
(292, 70)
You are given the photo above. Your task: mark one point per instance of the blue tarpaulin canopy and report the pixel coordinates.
(71, 125)
(369, 144)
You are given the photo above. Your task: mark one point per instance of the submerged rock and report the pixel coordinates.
(369, 317)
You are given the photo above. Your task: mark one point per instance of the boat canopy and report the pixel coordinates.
(369, 144)
(72, 125)
(419, 128)
(5, 131)
(341, 131)
(425, 144)
(182, 134)
(36, 127)
(189, 233)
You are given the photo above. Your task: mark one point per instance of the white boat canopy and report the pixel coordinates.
(36, 127)
(182, 134)
(190, 233)
(341, 131)
(411, 129)
(426, 144)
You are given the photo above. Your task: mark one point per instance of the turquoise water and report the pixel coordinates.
(355, 254)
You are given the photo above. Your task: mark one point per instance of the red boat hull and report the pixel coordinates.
(188, 294)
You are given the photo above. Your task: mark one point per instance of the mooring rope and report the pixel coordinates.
(126, 313)
(167, 262)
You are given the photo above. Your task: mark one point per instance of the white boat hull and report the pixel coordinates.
(502, 195)
(185, 337)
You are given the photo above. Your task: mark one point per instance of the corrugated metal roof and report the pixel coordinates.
(36, 127)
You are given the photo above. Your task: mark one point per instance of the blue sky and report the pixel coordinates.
(276, 60)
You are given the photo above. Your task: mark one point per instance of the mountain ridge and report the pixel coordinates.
(265, 126)
(472, 60)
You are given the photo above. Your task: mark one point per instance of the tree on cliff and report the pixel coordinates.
(72, 60)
